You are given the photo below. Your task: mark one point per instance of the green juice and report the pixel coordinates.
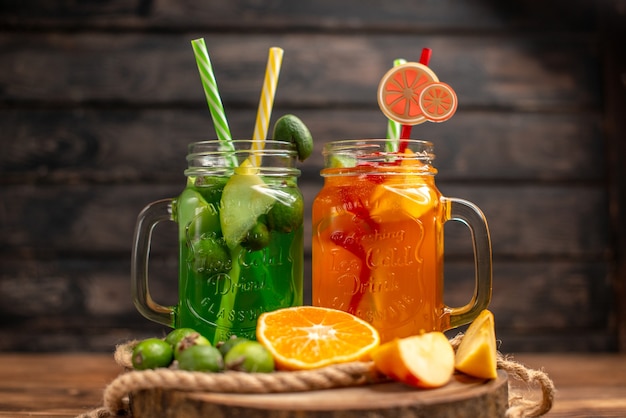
(227, 280)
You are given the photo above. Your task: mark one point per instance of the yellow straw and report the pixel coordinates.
(264, 112)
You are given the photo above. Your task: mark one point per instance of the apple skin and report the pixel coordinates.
(424, 361)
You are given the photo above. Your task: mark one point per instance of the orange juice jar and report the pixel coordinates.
(378, 239)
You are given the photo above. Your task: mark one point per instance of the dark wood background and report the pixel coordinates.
(98, 101)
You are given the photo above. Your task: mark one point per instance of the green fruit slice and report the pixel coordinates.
(340, 161)
(245, 198)
(290, 128)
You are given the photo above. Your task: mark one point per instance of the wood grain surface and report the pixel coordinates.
(462, 397)
(98, 101)
(67, 385)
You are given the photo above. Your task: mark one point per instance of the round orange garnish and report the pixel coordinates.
(438, 102)
(308, 337)
(399, 91)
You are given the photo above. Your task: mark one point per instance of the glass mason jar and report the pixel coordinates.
(240, 239)
(378, 239)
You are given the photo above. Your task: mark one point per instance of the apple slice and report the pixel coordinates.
(244, 199)
(476, 354)
(424, 361)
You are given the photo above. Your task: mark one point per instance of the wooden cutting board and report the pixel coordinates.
(463, 397)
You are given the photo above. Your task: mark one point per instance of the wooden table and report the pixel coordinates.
(65, 385)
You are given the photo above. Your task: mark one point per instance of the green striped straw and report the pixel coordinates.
(213, 98)
(393, 127)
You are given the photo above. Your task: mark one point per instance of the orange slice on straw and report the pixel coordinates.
(308, 337)
(438, 102)
(399, 92)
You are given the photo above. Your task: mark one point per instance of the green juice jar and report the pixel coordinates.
(240, 231)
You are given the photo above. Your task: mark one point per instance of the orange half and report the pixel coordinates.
(309, 337)
(399, 91)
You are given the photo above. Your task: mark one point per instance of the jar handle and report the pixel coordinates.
(471, 216)
(147, 219)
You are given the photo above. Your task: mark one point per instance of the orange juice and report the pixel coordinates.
(378, 240)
